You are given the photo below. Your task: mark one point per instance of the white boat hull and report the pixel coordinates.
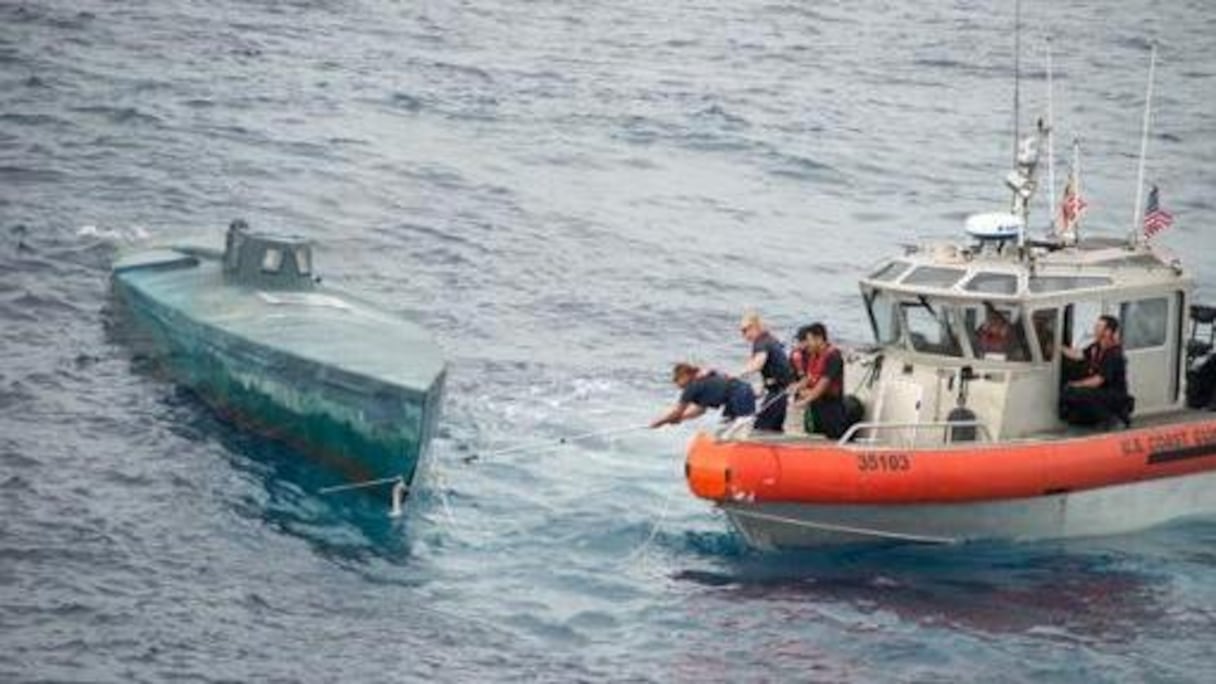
(1108, 510)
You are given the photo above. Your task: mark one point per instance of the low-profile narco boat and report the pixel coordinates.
(959, 444)
(256, 335)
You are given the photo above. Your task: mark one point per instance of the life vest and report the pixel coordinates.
(1096, 354)
(1093, 359)
(993, 339)
(799, 362)
(817, 367)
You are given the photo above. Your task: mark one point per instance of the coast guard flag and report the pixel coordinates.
(1156, 219)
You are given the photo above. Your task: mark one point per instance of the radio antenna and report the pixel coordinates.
(1148, 108)
(1017, 77)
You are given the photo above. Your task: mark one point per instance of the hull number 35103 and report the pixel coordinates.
(883, 462)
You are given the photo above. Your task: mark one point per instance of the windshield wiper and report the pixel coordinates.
(925, 303)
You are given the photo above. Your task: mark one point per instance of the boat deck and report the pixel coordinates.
(1155, 420)
(324, 325)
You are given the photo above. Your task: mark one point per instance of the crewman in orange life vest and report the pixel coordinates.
(822, 385)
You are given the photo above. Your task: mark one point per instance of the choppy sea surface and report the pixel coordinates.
(571, 195)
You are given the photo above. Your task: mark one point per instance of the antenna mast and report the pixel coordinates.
(1017, 77)
(1134, 238)
(1051, 150)
(1025, 152)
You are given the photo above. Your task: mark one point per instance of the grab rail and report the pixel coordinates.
(947, 426)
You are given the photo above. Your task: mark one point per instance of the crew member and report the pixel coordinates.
(705, 389)
(796, 415)
(995, 335)
(822, 391)
(1100, 394)
(768, 358)
(799, 354)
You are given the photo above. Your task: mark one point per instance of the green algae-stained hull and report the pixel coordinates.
(363, 426)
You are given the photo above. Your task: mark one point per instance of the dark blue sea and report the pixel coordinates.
(572, 195)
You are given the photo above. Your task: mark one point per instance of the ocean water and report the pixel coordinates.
(571, 195)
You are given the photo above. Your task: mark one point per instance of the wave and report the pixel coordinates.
(19, 175)
(127, 235)
(118, 115)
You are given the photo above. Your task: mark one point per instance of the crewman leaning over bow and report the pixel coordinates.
(702, 389)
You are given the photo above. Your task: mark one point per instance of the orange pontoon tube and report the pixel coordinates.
(829, 472)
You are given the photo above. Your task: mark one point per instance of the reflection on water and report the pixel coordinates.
(349, 526)
(889, 612)
(992, 589)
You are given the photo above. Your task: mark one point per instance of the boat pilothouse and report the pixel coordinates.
(980, 328)
(269, 261)
(972, 333)
(960, 436)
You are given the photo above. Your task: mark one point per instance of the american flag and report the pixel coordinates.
(1156, 219)
(1071, 206)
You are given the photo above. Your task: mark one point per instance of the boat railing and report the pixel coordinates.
(910, 434)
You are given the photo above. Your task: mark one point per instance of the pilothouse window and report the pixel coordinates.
(1045, 331)
(272, 260)
(1062, 283)
(935, 276)
(891, 271)
(996, 333)
(1145, 322)
(993, 283)
(884, 314)
(931, 328)
(303, 262)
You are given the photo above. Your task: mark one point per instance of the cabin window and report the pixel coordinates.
(1175, 379)
(931, 328)
(1045, 331)
(1079, 320)
(993, 283)
(303, 262)
(1144, 323)
(996, 333)
(1062, 283)
(1137, 261)
(890, 271)
(884, 316)
(272, 260)
(935, 276)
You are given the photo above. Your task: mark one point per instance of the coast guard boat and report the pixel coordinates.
(959, 443)
(258, 337)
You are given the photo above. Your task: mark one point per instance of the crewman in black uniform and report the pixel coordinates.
(1100, 393)
(701, 390)
(770, 360)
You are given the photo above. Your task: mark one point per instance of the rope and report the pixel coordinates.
(360, 485)
(748, 422)
(772, 517)
(550, 446)
(640, 549)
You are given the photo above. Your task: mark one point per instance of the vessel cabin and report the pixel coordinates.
(267, 261)
(934, 309)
